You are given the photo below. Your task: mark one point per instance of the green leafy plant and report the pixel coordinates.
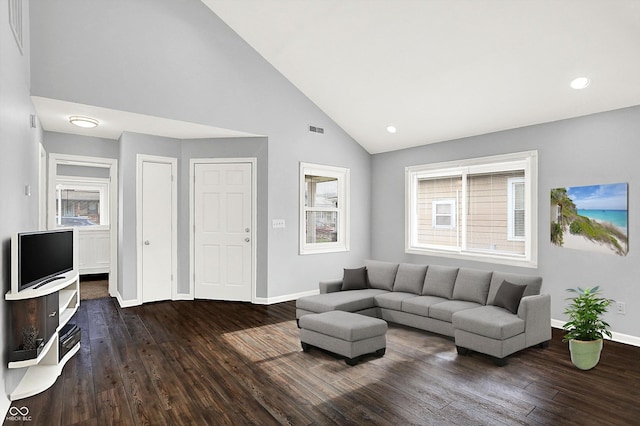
(585, 315)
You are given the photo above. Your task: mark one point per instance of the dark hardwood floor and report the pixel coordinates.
(209, 363)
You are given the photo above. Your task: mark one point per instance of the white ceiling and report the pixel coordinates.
(54, 117)
(445, 69)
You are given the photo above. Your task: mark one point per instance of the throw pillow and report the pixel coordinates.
(509, 295)
(354, 279)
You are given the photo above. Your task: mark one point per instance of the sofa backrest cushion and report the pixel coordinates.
(381, 274)
(410, 278)
(439, 281)
(533, 283)
(472, 285)
(354, 279)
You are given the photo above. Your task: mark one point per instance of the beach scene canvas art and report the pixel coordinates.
(592, 218)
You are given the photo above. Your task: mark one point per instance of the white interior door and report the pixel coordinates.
(223, 234)
(156, 220)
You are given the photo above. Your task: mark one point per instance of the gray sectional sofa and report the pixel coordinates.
(494, 313)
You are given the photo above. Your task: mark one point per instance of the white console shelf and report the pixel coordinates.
(43, 371)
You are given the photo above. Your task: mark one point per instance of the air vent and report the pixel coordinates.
(315, 129)
(15, 20)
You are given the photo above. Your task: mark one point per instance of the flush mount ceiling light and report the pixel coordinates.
(84, 122)
(391, 129)
(580, 83)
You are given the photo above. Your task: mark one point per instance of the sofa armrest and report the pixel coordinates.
(330, 286)
(536, 313)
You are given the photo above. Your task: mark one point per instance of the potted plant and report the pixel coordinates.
(586, 327)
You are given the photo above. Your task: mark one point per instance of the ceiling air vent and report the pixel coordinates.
(315, 129)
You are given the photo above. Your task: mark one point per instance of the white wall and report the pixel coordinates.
(595, 149)
(176, 59)
(19, 152)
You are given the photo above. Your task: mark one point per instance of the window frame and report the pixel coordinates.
(102, 185)
(434, 214)
(342, 175)
(511, 209)
(527, 161)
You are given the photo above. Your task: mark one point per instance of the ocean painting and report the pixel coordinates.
(592, 218)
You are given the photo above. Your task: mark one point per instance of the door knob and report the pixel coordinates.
(247, 239)
(146, 242)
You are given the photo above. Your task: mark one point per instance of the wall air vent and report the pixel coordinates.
(15, 21)
(315, 129)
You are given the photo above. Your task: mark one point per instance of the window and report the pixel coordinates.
(483, 208)
(324, 201)
(82, 202)
(516, 213)
(443, 214)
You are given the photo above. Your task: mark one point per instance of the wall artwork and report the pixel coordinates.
(592, 218)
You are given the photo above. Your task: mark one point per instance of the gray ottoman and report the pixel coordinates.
(344, 333)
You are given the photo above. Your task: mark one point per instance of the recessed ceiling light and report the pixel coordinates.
(580, 83)
(391, 129)
(84, 122)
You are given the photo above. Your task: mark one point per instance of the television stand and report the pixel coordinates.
(49, 280)
(33, 306)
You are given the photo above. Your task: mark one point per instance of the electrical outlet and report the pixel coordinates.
(621, 308)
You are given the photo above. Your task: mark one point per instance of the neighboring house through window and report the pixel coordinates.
(482, 208)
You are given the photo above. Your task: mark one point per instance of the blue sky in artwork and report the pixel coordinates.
(599, 197)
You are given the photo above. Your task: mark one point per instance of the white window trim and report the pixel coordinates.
(527, 160)
(88, 183)
(511, 199)
(344, 230)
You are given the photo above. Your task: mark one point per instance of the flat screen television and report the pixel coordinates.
(41, 256)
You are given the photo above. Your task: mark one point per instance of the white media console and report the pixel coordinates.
(59, 300)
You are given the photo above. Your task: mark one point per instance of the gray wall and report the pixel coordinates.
(87, 146)
(19, 152)
(132, 144)
(176, 59)
(226, 148)
(595, 149)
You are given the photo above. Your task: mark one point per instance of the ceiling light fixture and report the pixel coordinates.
(84, 122)
(580, 83)
(391, 129)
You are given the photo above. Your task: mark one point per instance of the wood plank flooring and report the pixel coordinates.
(225, 363)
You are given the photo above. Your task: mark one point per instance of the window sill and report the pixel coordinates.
(522, 262)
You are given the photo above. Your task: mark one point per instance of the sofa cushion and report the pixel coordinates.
(381, 275)
(533, 283)
(354, 279)
(420, 305)
(509, 295)
(489, 321)
(439, 281)
(350, 301)
(410, 278)
(444, 310)
(392, 300)
(472, 285)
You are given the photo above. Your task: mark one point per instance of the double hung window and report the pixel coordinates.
(324, 201)
(481, 208)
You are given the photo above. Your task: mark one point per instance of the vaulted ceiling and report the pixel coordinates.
(444, 69)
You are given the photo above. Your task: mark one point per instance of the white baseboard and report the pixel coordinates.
(616, 337)
(127, 303)
(285, 298)
(183, 296)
